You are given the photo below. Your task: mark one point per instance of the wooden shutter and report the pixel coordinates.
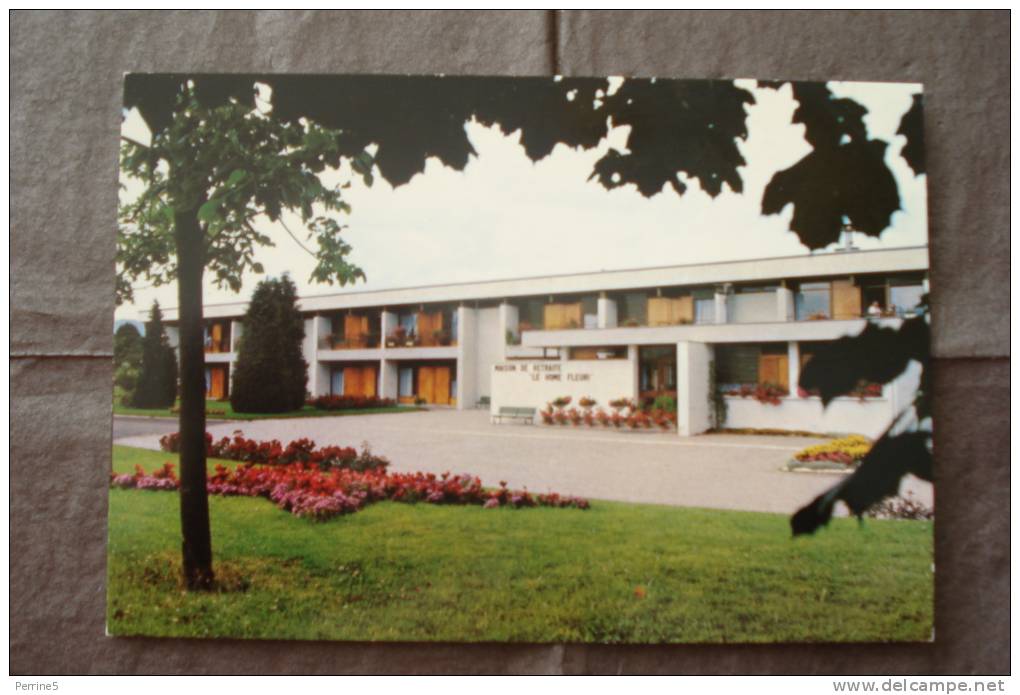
(368, 379)
(683, 309)
(561, 316)
(217, 383)
(427, 384)
(553, 317)
(846, 300)
(660, 310)
(774, 369)
(573, 315)
(442, 385)
(352, 381)
(352, 329)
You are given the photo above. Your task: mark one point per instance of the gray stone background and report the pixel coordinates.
(66, 72)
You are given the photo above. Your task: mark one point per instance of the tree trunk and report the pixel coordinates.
(197, 544)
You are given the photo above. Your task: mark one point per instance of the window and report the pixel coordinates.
(590, 312)
(336, 382)
(704, 310)
(531, 314)
(633, 309)
(405, 379)
(903, 299)
(736, 365)
(813, 301)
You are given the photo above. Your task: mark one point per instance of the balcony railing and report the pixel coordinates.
(411, 339)
(217, 346)
(339, 342)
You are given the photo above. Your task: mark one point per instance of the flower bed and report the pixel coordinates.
(273, 453)
(839, 454)
(306, 490)
(770, 394)
(350, 402)
(625, 413)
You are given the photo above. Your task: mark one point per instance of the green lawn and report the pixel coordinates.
(615, 573)
(222, 410)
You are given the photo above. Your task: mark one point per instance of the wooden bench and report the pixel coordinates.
(510, 413)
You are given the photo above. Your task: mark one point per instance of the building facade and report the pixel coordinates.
(694, 333)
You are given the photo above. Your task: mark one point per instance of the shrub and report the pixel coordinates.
(350, 402)
(157, 377)
(587, 403)
(547, 415)
(574, 415)
(906, 507)
(667, 403)
(561, 402)
(602, 417)
(271, 374)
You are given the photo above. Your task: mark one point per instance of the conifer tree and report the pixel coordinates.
(271, 373)
(157, 379)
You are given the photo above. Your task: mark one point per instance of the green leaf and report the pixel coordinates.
(236, 177)
(209, 210)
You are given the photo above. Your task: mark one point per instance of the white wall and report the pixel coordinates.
(843, 416)
(318, 372)
(751, 308)
(534, 384)
(693, 412)
(489, 347)
(509, 320)
(607, 313)
(467, 358)
(785, 305)
(388, 379)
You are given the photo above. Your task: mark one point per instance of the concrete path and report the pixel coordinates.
(135, 425)
(715, 471)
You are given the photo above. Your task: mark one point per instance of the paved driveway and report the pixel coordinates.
(716, 471)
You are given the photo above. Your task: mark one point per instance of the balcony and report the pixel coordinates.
(364, 341)
(217, 338)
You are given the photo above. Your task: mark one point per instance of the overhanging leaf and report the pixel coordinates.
(878, 477)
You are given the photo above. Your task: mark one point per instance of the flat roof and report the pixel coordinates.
(836, 263)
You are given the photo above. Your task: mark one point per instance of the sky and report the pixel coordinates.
(505, 216)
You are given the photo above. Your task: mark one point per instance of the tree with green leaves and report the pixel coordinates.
(216, 162)
(271, 374)
(157, 376)
(214, 166)
(127, 358)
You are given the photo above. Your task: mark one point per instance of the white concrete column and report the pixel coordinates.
(509, 322)
(634, 357)
(720, 307)
(693, 410)
(387, 322)
(784, 304)
(793, 366)
(316, 328)
(467, 357)
(607, 312)
(388, 379)
(236, 331)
